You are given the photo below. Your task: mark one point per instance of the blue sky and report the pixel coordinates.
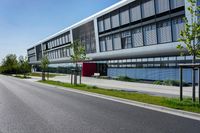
(25, 22)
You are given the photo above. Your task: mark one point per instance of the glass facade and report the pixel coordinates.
(85, 33)
(107, 24)
(124, 17)
(58, 53)
(164, 32)
(177, 26)
(101, 26)
(148, 8)
(115, 20)
(109, 45)
(156, 33)
(137, 24)
(137, 37)
(57, 42)
(135, 13)
(102, 44)
(126, 40)
(117, 41)
(155, 62)
(177, 3)
(149, 33)
(162, 6)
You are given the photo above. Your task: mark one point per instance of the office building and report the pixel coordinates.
(134, 38)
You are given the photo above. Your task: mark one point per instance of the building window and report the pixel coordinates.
(69, 38)
(115, 20)
(66, 38)
(126, 40)
(177, 27)
(135, 13)
(57, 42)
(148, 8)
(67, 52)
(162, 6)
(61, 42)
(117, 41)
(107, 23)
(102, 44)
(150, 34)
(109, 46)
(124, 17)
(164, 32)
(137, 37)
(93, 43)
(87, 42)
(64, 52)
(101, 26)
(177, 3)
(50, 44)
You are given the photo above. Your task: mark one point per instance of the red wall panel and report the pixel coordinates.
(88, 69)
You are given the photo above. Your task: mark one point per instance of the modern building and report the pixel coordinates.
(134, 38)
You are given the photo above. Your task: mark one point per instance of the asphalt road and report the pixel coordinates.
(27, 107)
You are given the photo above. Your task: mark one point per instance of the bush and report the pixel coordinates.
(126, 78)
(158, 82)
(170, 83)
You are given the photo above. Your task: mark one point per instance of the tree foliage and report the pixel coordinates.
(9, 64)
(79, 53)
(24, 66)
(190, 36)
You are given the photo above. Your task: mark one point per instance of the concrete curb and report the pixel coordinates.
(181, 113)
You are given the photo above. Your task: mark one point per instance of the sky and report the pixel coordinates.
(25, 22)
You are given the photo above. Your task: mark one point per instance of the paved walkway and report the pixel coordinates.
(130, 86)
(160, 90)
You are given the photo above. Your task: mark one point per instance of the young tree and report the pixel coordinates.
(190, 36)
(44, 65)
(24, 66)
(79, 55)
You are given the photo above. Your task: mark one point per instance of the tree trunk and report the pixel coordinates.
(75, 74)
(43, 75)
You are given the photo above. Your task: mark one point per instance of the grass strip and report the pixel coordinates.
(22, 76)
(51, 75)
(186, 104)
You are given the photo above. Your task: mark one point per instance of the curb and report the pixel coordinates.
(181, 113)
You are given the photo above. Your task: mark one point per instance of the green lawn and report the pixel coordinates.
(174, 103)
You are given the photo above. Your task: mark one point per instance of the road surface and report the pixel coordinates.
(28, 107)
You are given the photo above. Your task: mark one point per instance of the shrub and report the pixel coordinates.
(158, 82)
(170, 83)
(126, 78)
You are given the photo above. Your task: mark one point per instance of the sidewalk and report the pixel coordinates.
(170, 91)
